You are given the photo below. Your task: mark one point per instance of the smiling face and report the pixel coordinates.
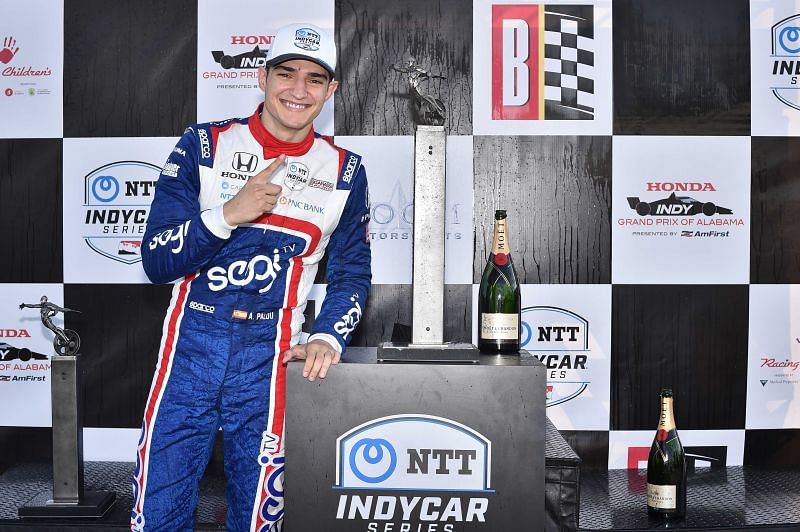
(294, 93)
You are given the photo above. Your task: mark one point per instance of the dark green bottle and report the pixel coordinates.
(666, 467)
(498, 297)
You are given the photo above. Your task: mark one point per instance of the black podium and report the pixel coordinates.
(417, 447)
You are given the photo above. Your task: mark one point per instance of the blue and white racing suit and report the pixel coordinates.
(237, 304)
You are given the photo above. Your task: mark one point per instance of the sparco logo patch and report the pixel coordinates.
(201, 307)
(205, 145)
(296, 175)
(350, 169)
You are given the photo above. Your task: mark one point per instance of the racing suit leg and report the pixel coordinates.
(247, 413)
(180, 423)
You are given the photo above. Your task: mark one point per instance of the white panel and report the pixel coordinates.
(775, 96)
(773, 369)
(110, 444)
(682, 247)
(31, 69)
(112, 181)
(390, 171)
(25, 376)
(568, 327)
(235, 28)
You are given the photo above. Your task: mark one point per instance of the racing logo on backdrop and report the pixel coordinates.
(8, 352)
(559, 338)
(251, 59)
(543, 62)
(675, 207)
(117, 200)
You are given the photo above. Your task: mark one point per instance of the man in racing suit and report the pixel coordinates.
(243, 212)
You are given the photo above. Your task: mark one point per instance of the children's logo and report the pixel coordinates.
(9, 50)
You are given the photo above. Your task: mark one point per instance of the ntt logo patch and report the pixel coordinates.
(413, 452)
(394, 474)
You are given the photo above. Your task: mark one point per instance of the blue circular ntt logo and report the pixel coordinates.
(789, 39)
(105, 188)
(526, 334)
(374, 452)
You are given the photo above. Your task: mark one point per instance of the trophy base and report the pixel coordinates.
(94, 504)
(447, 353)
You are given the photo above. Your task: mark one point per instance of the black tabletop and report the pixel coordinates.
(729, 498)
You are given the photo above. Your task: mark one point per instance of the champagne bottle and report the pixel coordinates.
(498, 297)
(666, 467)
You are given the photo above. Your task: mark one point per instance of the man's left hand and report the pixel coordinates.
(319, 356)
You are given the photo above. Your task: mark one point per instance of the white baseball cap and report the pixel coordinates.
(303, 41)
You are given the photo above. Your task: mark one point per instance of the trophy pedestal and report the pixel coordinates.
(94, 504)
(67, 498)
(446, 353)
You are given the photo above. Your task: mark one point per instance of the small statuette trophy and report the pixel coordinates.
(67, 498)
(429, 110)
(67, 342)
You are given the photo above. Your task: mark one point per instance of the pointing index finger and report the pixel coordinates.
(264, 175)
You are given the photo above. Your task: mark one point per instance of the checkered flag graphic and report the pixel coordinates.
(569, 62)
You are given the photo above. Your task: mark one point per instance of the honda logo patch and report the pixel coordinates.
(244, 162)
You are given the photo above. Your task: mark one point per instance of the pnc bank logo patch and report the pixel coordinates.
(543, 62)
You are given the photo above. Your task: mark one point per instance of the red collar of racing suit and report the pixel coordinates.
(274, 146)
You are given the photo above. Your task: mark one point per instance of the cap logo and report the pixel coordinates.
(307, 39)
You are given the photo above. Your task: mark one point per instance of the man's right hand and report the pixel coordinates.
(256, 197)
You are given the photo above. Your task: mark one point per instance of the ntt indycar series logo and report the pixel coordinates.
(559, 338)
(786, 61)
(117, 200)
(421, 458)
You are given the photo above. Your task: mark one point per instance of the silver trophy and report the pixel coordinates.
(427, 289)
(68, 498)
(429, 110)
